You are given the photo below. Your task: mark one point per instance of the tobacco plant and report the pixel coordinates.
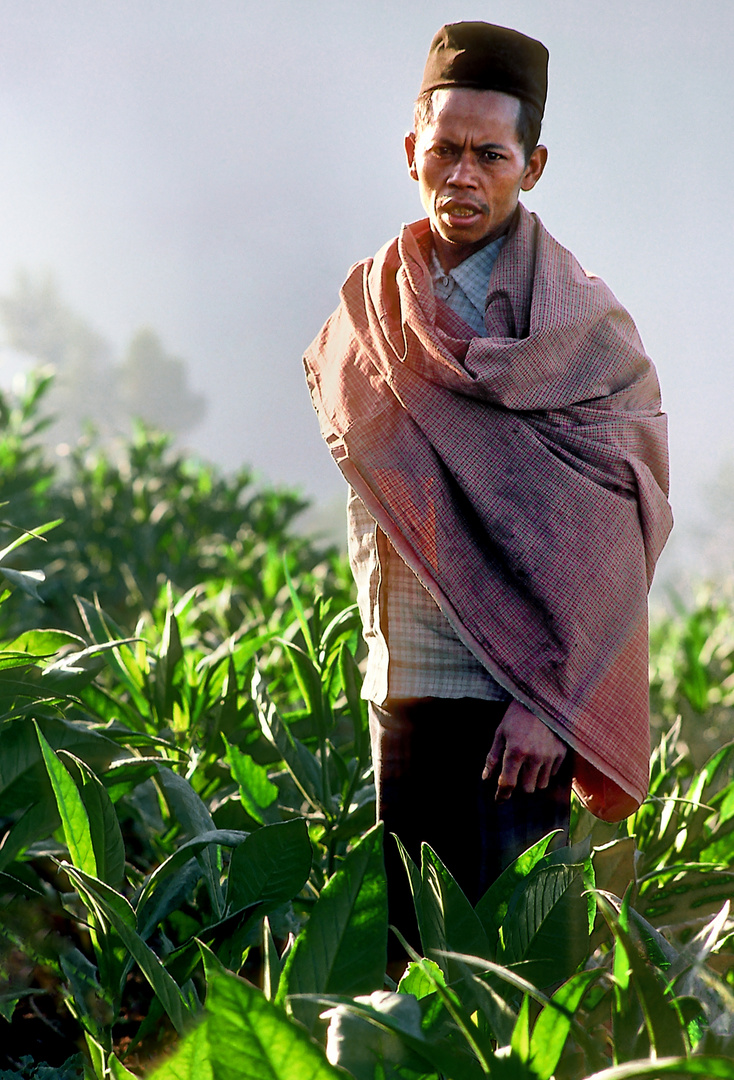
(189, 862)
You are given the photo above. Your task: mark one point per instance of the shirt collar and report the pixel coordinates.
(472, 275)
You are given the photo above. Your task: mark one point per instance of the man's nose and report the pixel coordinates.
(464, 172)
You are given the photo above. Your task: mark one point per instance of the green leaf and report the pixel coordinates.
(38, 822)
(447, 921)
(308, 678)
(109, 849)
(170, 655)
(154, 903)
(300, 612)
(191, 1060)
(415, 981)
(298, 760)
(546, 928)
(23, 775)
(102, 629)
(28, 534)
(266, 1045)
(520, 1042)
(124, 775)
(245, 1037)
(492, 907)
(75, 671)
(189, 811)
(257, 791)
(271, 866)
(114, 909)
(26, 580)
(44, 643)
(343, 947)
(636, 979)
(72, 812)
(118, 1070)
(88, 1001)
(554, 1023)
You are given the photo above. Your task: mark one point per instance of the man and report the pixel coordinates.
(499, 424)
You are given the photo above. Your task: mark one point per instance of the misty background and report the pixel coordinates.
(183, 186)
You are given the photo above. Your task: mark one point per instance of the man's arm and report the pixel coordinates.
(528, 751)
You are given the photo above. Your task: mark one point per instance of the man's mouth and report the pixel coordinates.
(458, 212)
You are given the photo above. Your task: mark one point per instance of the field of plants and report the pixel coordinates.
(192, 882)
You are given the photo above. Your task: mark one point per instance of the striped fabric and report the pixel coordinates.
(522, 476)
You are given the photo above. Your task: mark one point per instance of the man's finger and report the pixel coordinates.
(507, 782)
(532, 774)
(494, 756)
(544, 774)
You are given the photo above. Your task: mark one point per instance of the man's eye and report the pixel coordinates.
(491, 155)
(441, 151)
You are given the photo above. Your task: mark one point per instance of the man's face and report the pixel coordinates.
(471, 168)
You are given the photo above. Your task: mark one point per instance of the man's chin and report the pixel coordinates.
(462, 242)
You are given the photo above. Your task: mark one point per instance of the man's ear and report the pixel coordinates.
(534, 168)
(410, 154)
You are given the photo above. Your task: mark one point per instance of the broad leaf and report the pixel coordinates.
(257, 791)
(114, 909)
(38, 822)
(72, 812)
(303, 767)
(23, 775)
(271, 866)
(251, 1039)
(154, 902)
(343, 947)
(554, 1023)
(492, 907)
(546, 928)
(192, 815)
(447, 921)
(191, 1060)
(109, 849)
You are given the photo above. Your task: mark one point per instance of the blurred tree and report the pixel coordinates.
(88, 385)
(38, 324)
(154, 386)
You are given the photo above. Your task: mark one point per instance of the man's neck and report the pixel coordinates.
(452, 255)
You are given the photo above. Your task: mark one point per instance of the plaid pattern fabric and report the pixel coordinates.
(464, 288)
(522, 476)
(426, 657)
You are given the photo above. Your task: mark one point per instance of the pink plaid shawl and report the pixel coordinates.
(522, 476)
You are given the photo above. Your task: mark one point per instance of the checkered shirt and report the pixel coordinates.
(425, 657)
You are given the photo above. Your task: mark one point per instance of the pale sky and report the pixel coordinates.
(212, 168)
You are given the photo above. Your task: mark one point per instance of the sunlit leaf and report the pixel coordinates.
(343, 947)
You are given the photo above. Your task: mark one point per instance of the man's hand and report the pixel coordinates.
(528, 751)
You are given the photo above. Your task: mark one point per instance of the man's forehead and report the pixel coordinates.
(482, 111)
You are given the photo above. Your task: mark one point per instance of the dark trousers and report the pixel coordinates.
(428, 757)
